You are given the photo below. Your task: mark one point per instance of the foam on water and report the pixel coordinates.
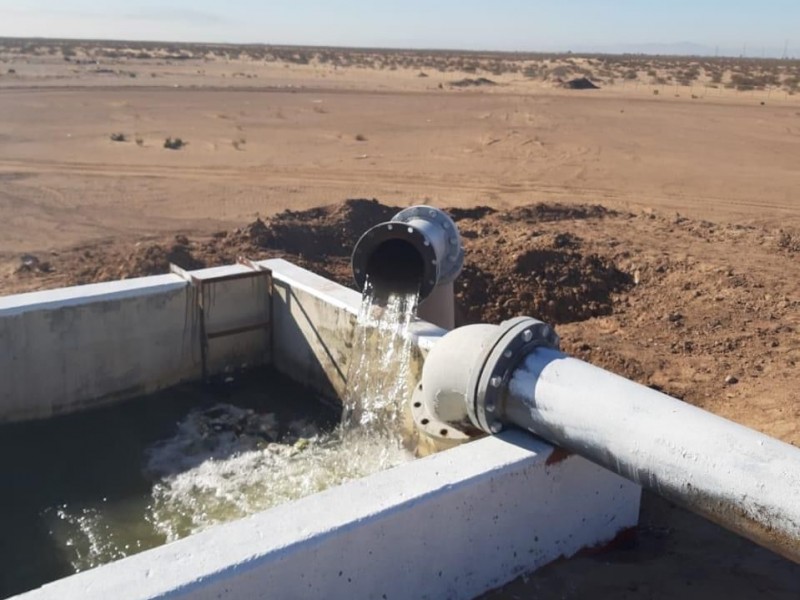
(226, 462)
(201, 481)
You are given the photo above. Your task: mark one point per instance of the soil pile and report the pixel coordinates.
(469, 82)
(706, 312)
(580, 83)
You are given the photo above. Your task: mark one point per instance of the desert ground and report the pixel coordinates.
(655, 219)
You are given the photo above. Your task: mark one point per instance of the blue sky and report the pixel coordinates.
(732, 26)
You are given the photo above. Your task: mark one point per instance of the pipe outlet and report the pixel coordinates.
(420, 248)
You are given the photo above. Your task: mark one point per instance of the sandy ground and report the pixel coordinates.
(660, 232)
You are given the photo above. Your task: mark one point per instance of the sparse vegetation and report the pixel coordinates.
(174, 143)
(118, 137)
(360, 137)
(742, 74)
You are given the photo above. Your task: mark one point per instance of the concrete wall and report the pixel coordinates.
(86, 346)
(452, 525)
(82, 347)
(73, 348)
(314, 321)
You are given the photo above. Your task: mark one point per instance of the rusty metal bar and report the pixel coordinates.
(237, 330)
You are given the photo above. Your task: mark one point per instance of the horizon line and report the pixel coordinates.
(418, 49)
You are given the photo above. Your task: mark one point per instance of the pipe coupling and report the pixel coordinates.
(508, 346)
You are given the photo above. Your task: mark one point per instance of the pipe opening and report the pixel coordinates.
(395, 266)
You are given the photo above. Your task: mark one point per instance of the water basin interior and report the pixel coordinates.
(88, 488)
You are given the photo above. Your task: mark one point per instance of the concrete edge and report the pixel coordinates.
(390, 532)
(91, 292)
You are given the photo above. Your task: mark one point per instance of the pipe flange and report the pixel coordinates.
(515, 339)
(429, 424)
(453, 260)
(392, 230)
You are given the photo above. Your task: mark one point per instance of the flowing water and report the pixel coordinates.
(378, 376)
(95, 487)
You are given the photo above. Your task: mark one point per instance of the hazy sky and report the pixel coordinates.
(756, 27)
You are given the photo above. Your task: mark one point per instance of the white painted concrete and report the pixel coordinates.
(448, 526)
(63, 350)
(314, 320)
(86, 346)
(452, 525)
(81, 294)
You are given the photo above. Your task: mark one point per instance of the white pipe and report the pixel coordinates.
(735, 476)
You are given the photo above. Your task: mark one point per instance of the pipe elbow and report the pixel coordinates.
(465, 377)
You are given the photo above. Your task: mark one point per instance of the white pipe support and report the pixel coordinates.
(735, 476)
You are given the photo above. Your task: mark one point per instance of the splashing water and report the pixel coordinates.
(227, 462)
(378, 377)
(203, 480)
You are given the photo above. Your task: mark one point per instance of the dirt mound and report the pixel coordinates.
(546, 212)
(143, 259)
(542, 275)
(320, 232)
(468, 82)
(478, 212)
(704, 311)
(580, 83)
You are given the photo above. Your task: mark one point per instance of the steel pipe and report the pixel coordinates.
(732, 475)
(418, 249)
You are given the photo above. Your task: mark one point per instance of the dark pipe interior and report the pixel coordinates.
(395, 266)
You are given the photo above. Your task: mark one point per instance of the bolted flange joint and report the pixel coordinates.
(503, 352)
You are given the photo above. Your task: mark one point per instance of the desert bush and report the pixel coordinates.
(118, 137)
(174, 143)
(531, 71)
(361, 137)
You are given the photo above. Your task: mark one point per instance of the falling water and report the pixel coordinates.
(378, 377)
